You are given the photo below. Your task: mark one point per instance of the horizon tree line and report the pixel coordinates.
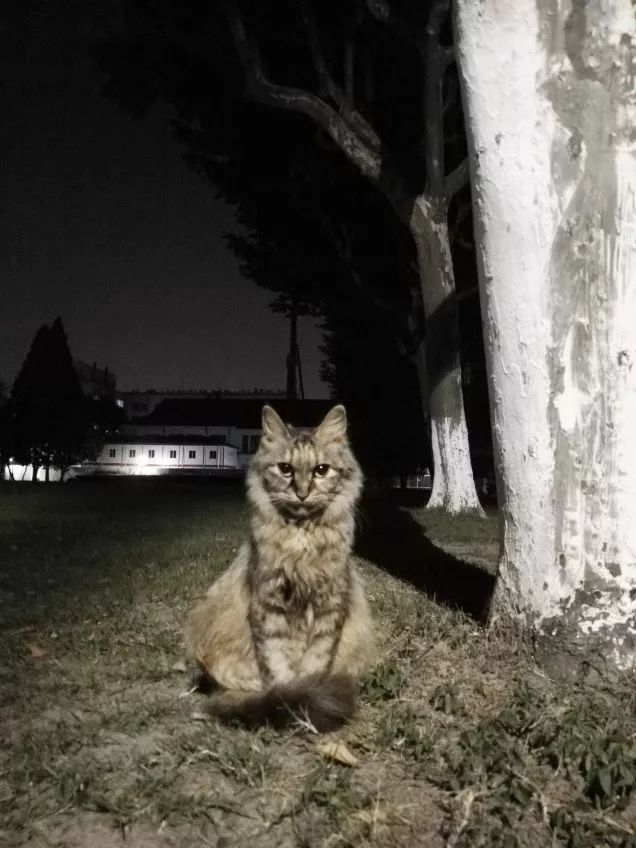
(46, 420)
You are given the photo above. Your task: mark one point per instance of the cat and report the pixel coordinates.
(286, 629)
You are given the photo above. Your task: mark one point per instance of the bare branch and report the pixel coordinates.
(383, 12)
(367, 158)
(439, 14)
(343, 101)
(433, 58)
(349, 73)
(434, 61)
(456, 180)
(326, 82)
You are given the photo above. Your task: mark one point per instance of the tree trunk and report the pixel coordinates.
(550, 112)
(453, 482)
(34, 475)
(46, 473)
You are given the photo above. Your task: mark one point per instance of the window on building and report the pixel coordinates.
(151, 454)
(112, 453)
(132, 453)
(173, 454)
(192, 454)
(213, 454)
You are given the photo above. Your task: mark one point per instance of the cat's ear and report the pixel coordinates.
(273, 425)
(334, 425)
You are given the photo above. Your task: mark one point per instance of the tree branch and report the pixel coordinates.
(367, 153)
(434, 66)
(383, 12)
(435, 60)
(349, 72)
(436, 19)
(342, 100)
(326, 82)
(367, 158)
(456, 180)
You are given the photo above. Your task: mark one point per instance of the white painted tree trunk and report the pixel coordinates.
(453, 482)
(550, 107)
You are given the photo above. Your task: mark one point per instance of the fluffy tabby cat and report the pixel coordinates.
(286, 629)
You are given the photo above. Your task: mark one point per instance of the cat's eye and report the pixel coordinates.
(285, 469)
(321, 470)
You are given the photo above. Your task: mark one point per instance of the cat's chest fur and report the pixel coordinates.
(307, 565)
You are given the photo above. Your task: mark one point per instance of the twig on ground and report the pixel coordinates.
(467, 805)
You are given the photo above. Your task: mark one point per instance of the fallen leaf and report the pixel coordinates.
(197, 715)
(382, 815)
(26, 629)
(337, 751)
(36, 651)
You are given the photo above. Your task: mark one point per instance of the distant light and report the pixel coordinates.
(120, 403)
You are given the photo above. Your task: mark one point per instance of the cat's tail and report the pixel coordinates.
(325, 701)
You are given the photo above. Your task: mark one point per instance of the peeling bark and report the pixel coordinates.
(550, 102)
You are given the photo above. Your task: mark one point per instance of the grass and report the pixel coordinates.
(460, 740)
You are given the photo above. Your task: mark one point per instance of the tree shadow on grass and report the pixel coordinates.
(390, 537)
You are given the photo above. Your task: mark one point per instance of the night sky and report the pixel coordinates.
(103, 224)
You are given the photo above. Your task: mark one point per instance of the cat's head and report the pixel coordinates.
(304, 473)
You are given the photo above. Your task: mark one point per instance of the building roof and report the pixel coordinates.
(174, 439)
(234, 412)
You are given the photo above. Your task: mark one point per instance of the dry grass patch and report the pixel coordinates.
(460, 740)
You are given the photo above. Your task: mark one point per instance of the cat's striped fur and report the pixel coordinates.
(286, 629)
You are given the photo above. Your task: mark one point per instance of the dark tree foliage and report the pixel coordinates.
(380, 386)
(304, 239)
(49, 422)
(313, 229)
(7, 430)
(32, 404)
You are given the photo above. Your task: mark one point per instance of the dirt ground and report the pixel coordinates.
(460, 739)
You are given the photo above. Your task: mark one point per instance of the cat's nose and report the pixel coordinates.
(302, 496)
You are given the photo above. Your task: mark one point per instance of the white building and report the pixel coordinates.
(235, 421)
(209, 436)
(145, 456)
